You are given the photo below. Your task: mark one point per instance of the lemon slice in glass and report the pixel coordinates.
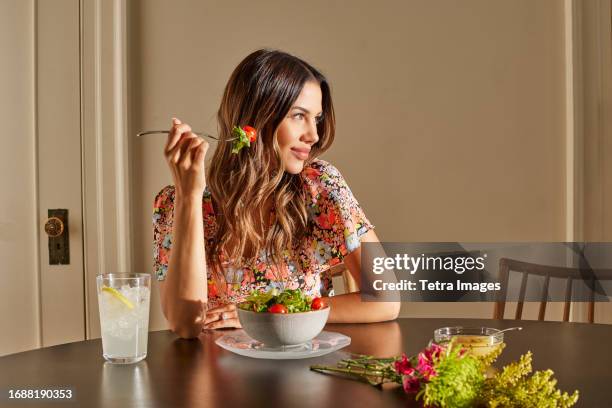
(117, 295)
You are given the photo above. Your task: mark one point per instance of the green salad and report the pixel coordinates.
(287, 301)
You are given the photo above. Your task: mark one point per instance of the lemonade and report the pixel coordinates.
(123, 301)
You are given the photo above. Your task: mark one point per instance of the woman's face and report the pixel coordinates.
(298, 130)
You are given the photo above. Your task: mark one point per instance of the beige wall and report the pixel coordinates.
(450, 114)
(596, 80)
(596, 124)
(18, 232)
(475, 87)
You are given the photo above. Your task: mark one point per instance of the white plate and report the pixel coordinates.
(240, 343)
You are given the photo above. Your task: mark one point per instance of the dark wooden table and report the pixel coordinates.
(194, 373)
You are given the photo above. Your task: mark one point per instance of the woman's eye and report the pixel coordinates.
(318, 119)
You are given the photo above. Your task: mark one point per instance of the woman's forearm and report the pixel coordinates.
(349, 308)
(184, 297)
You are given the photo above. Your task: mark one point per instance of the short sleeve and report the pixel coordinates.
(163, 209)
(338, 221)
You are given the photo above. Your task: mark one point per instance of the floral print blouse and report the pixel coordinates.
(335, 224)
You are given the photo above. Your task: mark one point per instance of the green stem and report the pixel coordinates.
(358, 376)
(372, 377)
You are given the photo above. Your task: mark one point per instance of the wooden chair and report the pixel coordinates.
(525, 268)
(350, 285)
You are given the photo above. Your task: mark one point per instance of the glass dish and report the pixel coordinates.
(479, 340)
(240, 343)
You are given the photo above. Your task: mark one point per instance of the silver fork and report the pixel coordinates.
(152, 132)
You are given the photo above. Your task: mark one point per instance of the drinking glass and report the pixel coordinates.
(123, 301)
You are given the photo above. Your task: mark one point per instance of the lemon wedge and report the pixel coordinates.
(118, 296)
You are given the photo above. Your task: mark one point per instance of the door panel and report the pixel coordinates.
(41, 304)
(59, 158)
(19, 319)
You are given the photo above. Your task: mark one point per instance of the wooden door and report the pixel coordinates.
(42, 303)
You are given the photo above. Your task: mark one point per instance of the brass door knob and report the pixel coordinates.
(54, 227)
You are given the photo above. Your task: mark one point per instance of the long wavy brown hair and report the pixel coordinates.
(259, 93)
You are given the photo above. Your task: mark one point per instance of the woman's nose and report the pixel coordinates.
(311, 134)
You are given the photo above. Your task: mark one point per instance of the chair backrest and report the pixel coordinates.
(350, 285)
(525, 268)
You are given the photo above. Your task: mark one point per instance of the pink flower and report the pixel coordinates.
(403, 366)
(411, 384)
(433, 352)
(425, 367)
(410, 378)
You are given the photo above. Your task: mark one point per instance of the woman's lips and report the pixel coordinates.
(301, 154)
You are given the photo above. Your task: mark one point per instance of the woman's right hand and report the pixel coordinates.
(185, 153)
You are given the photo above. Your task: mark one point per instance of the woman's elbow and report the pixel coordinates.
(186, 319)
(187, 331)
(391, 310)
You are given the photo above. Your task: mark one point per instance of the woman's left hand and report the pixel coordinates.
(222, 317)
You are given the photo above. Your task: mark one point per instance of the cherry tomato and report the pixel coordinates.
(277, 308)
(251, 133)
(318, 303)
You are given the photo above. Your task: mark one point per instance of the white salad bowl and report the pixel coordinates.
(280, 329)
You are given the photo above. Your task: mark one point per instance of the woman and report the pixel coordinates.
(272, 213)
